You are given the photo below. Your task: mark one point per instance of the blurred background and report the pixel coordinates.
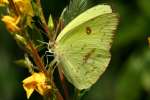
(128, 74)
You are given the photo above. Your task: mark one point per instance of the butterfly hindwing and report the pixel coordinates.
(84, 51)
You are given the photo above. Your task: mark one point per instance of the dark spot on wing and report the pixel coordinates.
(88, 30)
(88, 55)
(102, 56)
(83, 47)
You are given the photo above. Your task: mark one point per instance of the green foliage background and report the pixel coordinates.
(128, 74)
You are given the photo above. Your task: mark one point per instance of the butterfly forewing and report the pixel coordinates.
(85, 16)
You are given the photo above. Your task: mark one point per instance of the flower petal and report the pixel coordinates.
(11, 23)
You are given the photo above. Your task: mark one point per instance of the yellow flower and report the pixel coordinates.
(3, 2)
(24, 6)
(37, 81)
(11, 23)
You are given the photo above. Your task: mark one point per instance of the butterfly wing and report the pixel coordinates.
(83, 51)
(85, 16)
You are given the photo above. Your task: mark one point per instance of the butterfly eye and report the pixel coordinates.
(88, 30)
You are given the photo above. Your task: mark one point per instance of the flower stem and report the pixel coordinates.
(63, 84)
(14, 7)
(34, 52)
(40, 64)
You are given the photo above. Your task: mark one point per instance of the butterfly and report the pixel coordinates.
(83, 47)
